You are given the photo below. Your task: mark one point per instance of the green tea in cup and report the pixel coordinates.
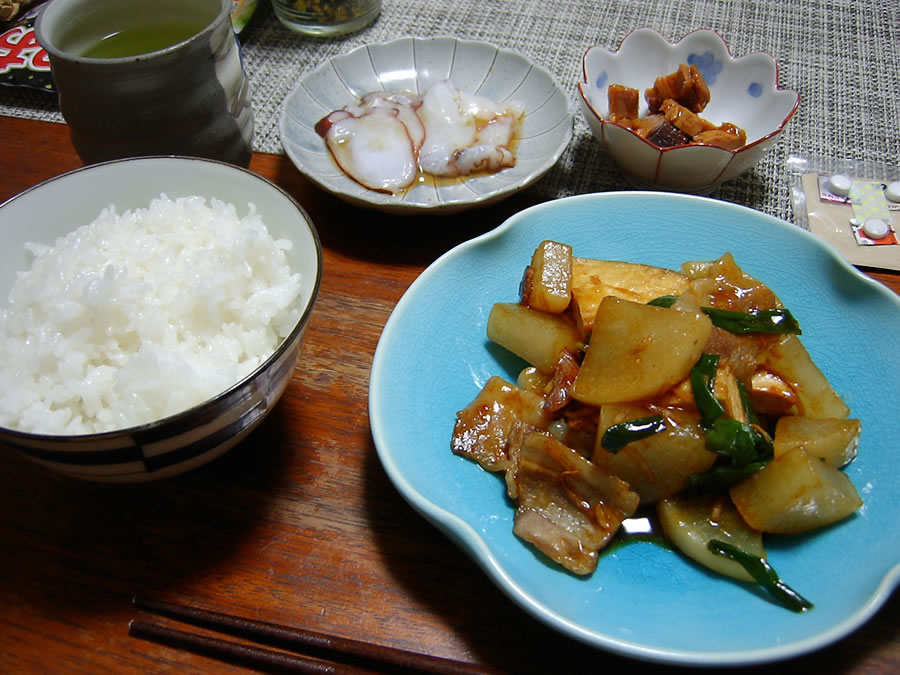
(141, 39)
(149, 77)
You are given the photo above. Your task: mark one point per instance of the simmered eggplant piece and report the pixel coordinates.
(667, 135)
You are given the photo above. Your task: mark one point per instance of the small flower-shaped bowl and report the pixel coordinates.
(743, 91)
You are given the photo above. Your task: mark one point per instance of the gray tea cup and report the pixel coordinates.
(149, 77)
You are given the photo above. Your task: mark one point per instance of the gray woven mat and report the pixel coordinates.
(843, 56)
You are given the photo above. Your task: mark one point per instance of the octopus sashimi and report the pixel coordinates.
(464, 133)
(375, 148)
(388, 138)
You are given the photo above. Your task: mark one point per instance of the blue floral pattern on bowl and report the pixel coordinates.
(707, 64)
(743, 91)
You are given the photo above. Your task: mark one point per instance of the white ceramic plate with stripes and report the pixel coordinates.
(413, 65)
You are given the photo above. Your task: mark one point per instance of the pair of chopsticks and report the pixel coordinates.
(296, 649)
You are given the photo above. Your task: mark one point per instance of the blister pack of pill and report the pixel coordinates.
(853, 206)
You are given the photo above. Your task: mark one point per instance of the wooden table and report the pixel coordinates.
(299, 524)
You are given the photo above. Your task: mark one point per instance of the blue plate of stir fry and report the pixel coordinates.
(612, 402)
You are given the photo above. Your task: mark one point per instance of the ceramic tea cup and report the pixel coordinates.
(149, 77)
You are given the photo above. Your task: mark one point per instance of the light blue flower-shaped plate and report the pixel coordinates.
(646, 601)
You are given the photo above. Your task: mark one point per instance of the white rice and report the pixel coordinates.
(142, 315)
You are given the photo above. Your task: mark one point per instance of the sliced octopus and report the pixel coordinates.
(389, 138)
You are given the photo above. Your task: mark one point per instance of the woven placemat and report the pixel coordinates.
(841, 55)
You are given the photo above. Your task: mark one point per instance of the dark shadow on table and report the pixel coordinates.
(110, 541)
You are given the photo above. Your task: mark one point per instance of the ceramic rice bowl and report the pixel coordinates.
(189, 439)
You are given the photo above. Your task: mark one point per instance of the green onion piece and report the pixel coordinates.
(663, 301)
(764, 574)
(746, 404)
(732, 439)
(719, 479)
(765, 450)
(703, 378)
(740, 442)
(619, 435)
(777, 321)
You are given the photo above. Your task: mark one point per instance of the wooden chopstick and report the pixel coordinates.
(236, 653)
(310, 651)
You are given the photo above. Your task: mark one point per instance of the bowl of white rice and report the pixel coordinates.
(152, 312)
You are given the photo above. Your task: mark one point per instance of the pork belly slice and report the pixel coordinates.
(482, 429)
(568, 508)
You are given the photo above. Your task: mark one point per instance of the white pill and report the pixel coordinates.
(875, 228)
(892, 191)
(839, 184)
